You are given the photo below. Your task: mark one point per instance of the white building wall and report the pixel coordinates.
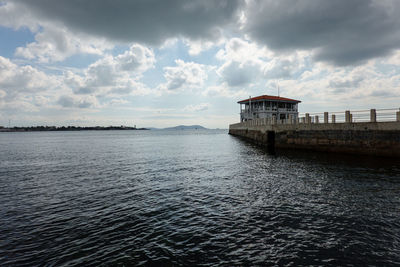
(268, 109)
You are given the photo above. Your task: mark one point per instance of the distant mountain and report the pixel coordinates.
(186, 127)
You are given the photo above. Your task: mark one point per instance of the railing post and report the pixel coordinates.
(372, 115)
(347, 116)
(316, 119)
(326, 117)
(398, 116)
(290, 118)
(308, 119)
(333, 118)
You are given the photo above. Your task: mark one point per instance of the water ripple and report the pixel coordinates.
(190, 198)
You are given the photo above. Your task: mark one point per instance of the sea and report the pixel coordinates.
(191, 198)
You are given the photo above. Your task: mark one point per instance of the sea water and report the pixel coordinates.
(191, 197)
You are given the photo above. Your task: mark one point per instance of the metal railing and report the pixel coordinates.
(354, 116)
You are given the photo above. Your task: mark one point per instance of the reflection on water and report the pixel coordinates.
(191, 198)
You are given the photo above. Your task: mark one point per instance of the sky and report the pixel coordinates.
(157, 63)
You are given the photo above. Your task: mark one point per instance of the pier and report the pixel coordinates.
(368, 132)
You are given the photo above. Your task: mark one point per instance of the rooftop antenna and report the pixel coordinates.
(277, 84)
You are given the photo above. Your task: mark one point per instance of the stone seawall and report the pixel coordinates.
(367, 138)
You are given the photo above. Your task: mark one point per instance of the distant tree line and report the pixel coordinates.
(67, 128)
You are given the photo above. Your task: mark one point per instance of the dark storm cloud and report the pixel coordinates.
(146, 21)
(342, 32)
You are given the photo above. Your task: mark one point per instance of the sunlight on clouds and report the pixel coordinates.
(57, 43)
(17, 17)
(185, 75)
(114, 74)
(82, 68)
(18, 80)
(196, 47)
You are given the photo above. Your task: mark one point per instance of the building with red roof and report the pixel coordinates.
(267, 106)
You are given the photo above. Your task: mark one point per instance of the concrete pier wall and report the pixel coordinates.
(368, 138)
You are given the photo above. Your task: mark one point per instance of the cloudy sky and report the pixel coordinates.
(163, 63)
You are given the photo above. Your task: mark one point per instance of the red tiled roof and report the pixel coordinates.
(269, 97)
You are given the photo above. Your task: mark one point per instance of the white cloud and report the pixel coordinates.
(240, 50)
(394, 58)
(246, 63)
(185, 75)
(16, 16)
(285, 66)
(137, 59)
(237, 74)
(15, 79)
(54, 43)
(335, 88)
(72, 101)
(243, 62)
(110, 77)
(14, 107)
(196, 108)
(118, 102)
(2, 94)
(200, 45)
(114, 74)
(223, 90)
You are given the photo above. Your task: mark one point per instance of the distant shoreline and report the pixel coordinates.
(67, 128)
(96, 128)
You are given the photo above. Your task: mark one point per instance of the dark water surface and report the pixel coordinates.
(190, 198)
